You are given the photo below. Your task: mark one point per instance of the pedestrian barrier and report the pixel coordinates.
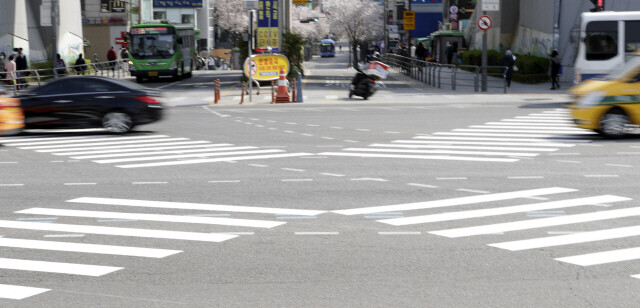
(283, 89)
(24, 78)
(450, 76)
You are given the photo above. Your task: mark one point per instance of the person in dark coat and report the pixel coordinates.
(555, 69)
(508, 62)
(81, 65)
(21, 65)
(421, 52)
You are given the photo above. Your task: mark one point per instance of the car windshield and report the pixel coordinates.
(623, 70)
(152, 46)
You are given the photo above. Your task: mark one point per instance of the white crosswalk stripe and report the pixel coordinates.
(154, 150)
(19, 292)
(88, 248)
(539, 132)
(558, 218)
(155, 217)
(501, 211)
(57, 267)
(26, 245)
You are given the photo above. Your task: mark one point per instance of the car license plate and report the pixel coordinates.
(153, 74)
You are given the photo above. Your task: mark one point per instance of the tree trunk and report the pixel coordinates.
(355, 54)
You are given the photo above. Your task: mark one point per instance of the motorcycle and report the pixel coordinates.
(363, 83)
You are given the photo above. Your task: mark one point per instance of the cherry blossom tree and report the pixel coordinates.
(357, 19)
(232, 15)
(311, 30)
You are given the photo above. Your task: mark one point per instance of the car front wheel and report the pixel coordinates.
(117, 122)
(615, 124)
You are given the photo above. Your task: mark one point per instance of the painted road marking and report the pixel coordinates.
(88, 248)
(501, 210)
(148, 233)
(413, 146)
(80, 142)
(212, 160)
(92, 145)
(456, 201)
(134, 148)
(57, 267)
(538, 223)
(603, 257)
(154, 217)
(538, 144)
(173, 151)
(569, 239)
(442, 152)
(19, 292)
(427, 157)
(195, 206)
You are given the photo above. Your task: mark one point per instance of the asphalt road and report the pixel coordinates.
(327, 203)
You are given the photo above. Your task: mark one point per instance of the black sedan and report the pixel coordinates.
(90, 102)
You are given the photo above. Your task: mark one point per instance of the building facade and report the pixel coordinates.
(27, 24)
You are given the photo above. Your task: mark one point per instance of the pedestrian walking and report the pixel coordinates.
(81, 65)
(555, 69)
(508, 63)
(60, 66)
(112, 57)
(21, 67)
(10, 68)
(211, 63)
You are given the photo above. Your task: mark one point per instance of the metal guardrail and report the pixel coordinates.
(19, 79)
(446, 75)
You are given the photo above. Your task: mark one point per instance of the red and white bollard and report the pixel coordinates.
(216, 87)
(283, 89)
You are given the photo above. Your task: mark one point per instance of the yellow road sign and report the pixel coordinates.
(409, 20)
(266, 67)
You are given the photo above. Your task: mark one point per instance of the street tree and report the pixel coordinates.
(233, 16)
(303, 23)
(359, 20)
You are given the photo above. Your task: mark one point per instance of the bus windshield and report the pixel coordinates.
(152, 46)
(326, 47)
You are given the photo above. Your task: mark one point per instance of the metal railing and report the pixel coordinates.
(454, 77)
(20, 80)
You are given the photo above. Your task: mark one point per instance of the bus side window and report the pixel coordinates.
(602, 40)
(631, 35)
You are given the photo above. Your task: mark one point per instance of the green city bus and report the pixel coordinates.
(161, 49)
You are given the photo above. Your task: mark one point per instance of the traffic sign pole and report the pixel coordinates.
(249, 47)
(484, 58)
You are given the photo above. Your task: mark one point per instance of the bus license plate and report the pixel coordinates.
(153, 74)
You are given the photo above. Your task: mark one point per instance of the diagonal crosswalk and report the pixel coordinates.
(140, 151)
(508, 141)
(203, 222)
(550, 217)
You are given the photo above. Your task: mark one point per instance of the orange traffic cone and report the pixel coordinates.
(283, 89)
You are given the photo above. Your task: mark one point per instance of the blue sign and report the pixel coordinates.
(177, 4)
(267, 9)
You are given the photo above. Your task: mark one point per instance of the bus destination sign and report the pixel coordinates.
(151, 30)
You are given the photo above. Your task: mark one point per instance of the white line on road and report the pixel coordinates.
(501, 210)
(317, 233)
(569, 239)
(212, 160)
(147, 233)
(88, 248)
(525, 177)
(225, 181)
(427, 157)
(57, 267)
(539, 223)
(19, 292)
(333, 174)
(604, 257)
(400, 233)
(155, 217)
(194, 206)
(456, 201)
(422, 185)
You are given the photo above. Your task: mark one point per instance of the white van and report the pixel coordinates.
(607, 40)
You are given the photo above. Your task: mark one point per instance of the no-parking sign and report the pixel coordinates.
(484, 23)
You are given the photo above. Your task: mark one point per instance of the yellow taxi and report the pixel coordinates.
(11, 116)
(609, 105)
